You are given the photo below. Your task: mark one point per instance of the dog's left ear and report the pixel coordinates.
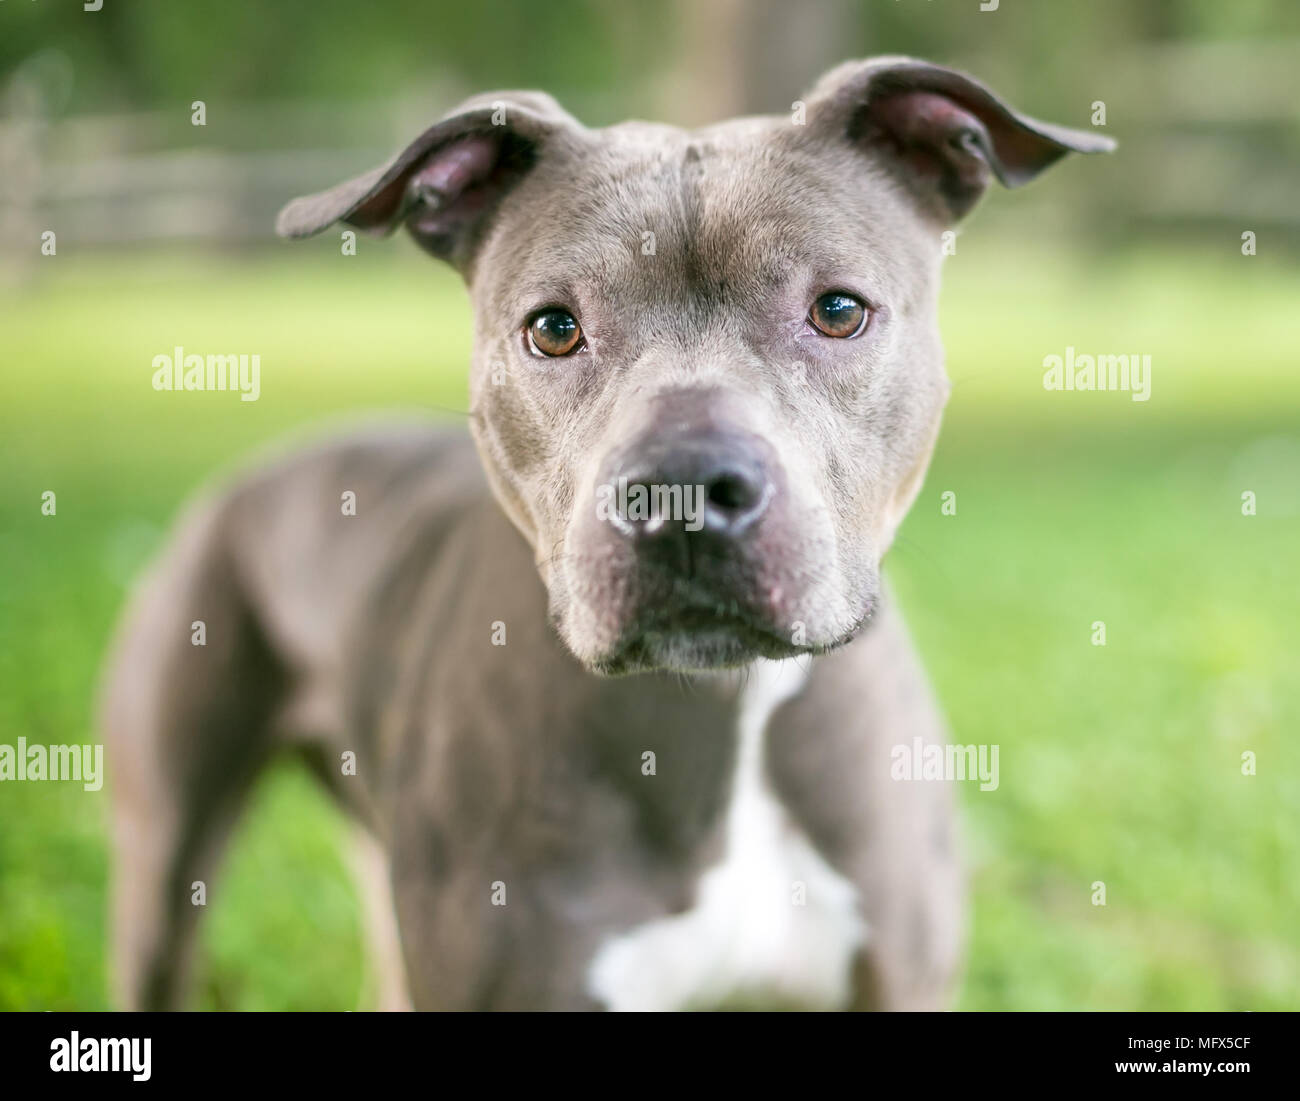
(444, 186)
(939, 131)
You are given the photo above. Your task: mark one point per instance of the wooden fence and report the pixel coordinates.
(1210, 136)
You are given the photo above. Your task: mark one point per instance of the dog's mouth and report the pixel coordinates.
(704, 637)
(699, 637)
(694, 639)
(621, 613)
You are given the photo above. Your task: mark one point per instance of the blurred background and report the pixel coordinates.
(1121, 764)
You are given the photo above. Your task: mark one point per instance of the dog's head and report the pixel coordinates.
(707, 375)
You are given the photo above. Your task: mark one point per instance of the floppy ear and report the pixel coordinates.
(939, 131)
(443, 186)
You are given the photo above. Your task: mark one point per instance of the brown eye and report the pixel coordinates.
(554, 332)
(838, 315)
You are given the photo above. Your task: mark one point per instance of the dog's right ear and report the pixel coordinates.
(445, 185)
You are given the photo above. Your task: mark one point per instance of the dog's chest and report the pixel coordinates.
(773, 924)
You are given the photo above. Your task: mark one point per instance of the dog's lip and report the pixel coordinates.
(859, 625)
(701, 615)
(701, 619)
(766, 640)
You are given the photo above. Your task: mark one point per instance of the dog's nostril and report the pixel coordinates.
(734, 499)
(732, 492)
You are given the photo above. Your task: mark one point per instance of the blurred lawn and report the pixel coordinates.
(1119, 763)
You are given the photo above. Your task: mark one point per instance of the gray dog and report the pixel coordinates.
(613, 688)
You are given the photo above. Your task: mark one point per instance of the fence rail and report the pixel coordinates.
(1209, 132)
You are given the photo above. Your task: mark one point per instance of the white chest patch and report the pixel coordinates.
(773, 923)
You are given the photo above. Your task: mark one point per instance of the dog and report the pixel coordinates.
(610, 687)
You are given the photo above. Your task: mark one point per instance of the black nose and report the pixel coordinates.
(711, 481)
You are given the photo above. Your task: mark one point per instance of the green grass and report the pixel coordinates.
(1119, 764)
